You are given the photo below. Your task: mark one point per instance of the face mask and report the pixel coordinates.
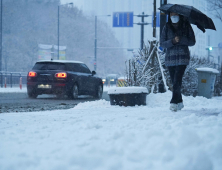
(175, 19)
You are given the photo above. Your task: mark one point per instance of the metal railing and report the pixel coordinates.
(12, 79)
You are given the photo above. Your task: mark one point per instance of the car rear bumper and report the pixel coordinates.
(50, 88)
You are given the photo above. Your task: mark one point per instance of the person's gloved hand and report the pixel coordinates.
(176, 40)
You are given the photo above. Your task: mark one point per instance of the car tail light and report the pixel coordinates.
(61, 75)
(32, 74)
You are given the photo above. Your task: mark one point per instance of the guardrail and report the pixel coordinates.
(12, 79)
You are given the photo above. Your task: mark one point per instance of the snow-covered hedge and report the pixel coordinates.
(190, 78)
(147, 69)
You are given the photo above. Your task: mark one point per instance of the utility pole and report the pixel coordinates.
(162, 16)
(142, 31)
(95, 42)
(154, 18)
(142, 23)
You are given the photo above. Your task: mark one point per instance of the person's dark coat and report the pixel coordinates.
(177, 53)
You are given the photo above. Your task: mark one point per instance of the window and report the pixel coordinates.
(49, 66)
(77, 67)
(69, 67)
(85, 69)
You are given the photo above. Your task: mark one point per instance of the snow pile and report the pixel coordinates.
(107, 88)
(205, 69)
(13, 90)
(127, 90)
(98, 136)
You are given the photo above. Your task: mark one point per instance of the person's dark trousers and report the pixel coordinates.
(176, 75)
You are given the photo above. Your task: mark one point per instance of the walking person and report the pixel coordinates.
(176, 36)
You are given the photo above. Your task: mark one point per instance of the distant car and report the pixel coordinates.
(104, 80)
(63, 77)
(111, 79)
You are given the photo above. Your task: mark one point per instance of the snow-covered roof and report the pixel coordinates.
(127, 90)
(206, 69)
(60, 61)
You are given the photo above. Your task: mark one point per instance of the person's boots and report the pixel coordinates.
(173, 107)
(180, 106)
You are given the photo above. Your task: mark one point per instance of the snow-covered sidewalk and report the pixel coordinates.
(98, 136)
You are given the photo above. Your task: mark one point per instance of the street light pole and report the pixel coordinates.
(58, 26)
(95, 48)
(58, 33)
(95, 43)
(1, 45)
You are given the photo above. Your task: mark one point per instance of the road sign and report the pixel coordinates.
(123, 19)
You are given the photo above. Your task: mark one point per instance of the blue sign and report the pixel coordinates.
(123, 19)
(220, 45)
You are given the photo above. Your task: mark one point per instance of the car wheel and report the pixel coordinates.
(99, 92)
(74, 92)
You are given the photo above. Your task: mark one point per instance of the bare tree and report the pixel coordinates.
(147, 68)
(215, 6)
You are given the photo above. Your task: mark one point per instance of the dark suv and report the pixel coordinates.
(61, 77)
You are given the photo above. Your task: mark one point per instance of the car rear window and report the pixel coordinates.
(49, 66)
(78, 67)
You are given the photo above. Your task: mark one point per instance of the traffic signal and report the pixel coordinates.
(209, 48)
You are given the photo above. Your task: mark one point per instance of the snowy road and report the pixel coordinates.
(19, 102)
(16, 100)
(97, 136)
